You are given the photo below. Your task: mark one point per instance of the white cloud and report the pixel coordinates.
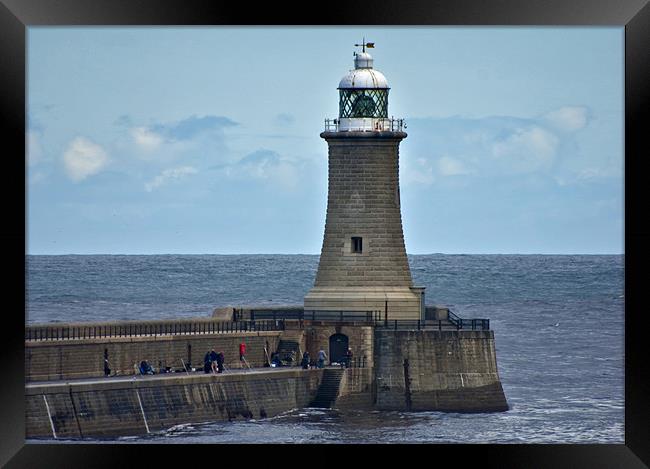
(34, 149)
(37, 177)
(567, 118)
(169, 175)
(526, 150)
(84, 158)
(259, 169)
(285, 118)
(270, 166)
(448, 166)
(559, 144)
(287, 174)
(586, 175)
(590, 173)
(145, 138)
(420, 171)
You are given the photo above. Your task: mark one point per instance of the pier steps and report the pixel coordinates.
(328, 390)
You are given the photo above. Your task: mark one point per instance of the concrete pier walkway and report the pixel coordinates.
(161, 376)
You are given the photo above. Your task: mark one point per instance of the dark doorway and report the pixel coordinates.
(338, 347)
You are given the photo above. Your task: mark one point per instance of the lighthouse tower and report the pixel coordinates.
(363, 264)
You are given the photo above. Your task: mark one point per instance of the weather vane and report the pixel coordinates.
(364, 44)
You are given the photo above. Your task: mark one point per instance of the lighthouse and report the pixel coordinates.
(363, 264)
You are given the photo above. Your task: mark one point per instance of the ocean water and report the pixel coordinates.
(558, 322)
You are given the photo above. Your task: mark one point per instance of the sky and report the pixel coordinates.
(205, 140)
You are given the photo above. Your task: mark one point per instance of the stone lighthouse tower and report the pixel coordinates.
(363, 264)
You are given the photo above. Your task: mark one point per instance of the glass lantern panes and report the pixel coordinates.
(363, 103)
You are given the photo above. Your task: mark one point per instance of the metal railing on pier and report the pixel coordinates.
(473, 324)
(301, 315)
(149, 329)
(372, 318)
(357, 362)
(434, 324)
(247, 321)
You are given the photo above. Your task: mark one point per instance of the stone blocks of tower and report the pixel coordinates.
(363, 262)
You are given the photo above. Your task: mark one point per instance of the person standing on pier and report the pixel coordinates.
(207, 365)
(305, 361)
(321, 358)
(220, 362)
(242, 354)
(348, 358)
(213, 360)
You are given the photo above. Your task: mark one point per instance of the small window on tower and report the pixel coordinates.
(357, 244)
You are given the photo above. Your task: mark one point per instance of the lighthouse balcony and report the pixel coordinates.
(364, 124)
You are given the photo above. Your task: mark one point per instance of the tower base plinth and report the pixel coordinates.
(391, 302)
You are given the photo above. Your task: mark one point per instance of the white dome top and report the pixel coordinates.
(364, 78)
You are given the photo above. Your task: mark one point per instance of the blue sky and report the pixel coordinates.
(206, 140)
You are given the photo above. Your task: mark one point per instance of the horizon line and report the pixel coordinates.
(318, 254)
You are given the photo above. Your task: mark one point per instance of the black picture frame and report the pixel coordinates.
(634, 15)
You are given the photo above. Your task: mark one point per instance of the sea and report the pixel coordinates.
(558, 323)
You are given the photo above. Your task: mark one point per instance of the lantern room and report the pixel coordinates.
(363, 98)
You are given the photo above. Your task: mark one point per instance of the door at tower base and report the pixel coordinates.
(390, 302)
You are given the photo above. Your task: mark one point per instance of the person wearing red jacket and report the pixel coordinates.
(242, 354)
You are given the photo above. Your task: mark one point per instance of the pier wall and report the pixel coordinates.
(425, 370)
(437, 370)
(127, 406)
(84, 358)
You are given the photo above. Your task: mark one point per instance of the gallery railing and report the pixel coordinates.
(365, 124)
